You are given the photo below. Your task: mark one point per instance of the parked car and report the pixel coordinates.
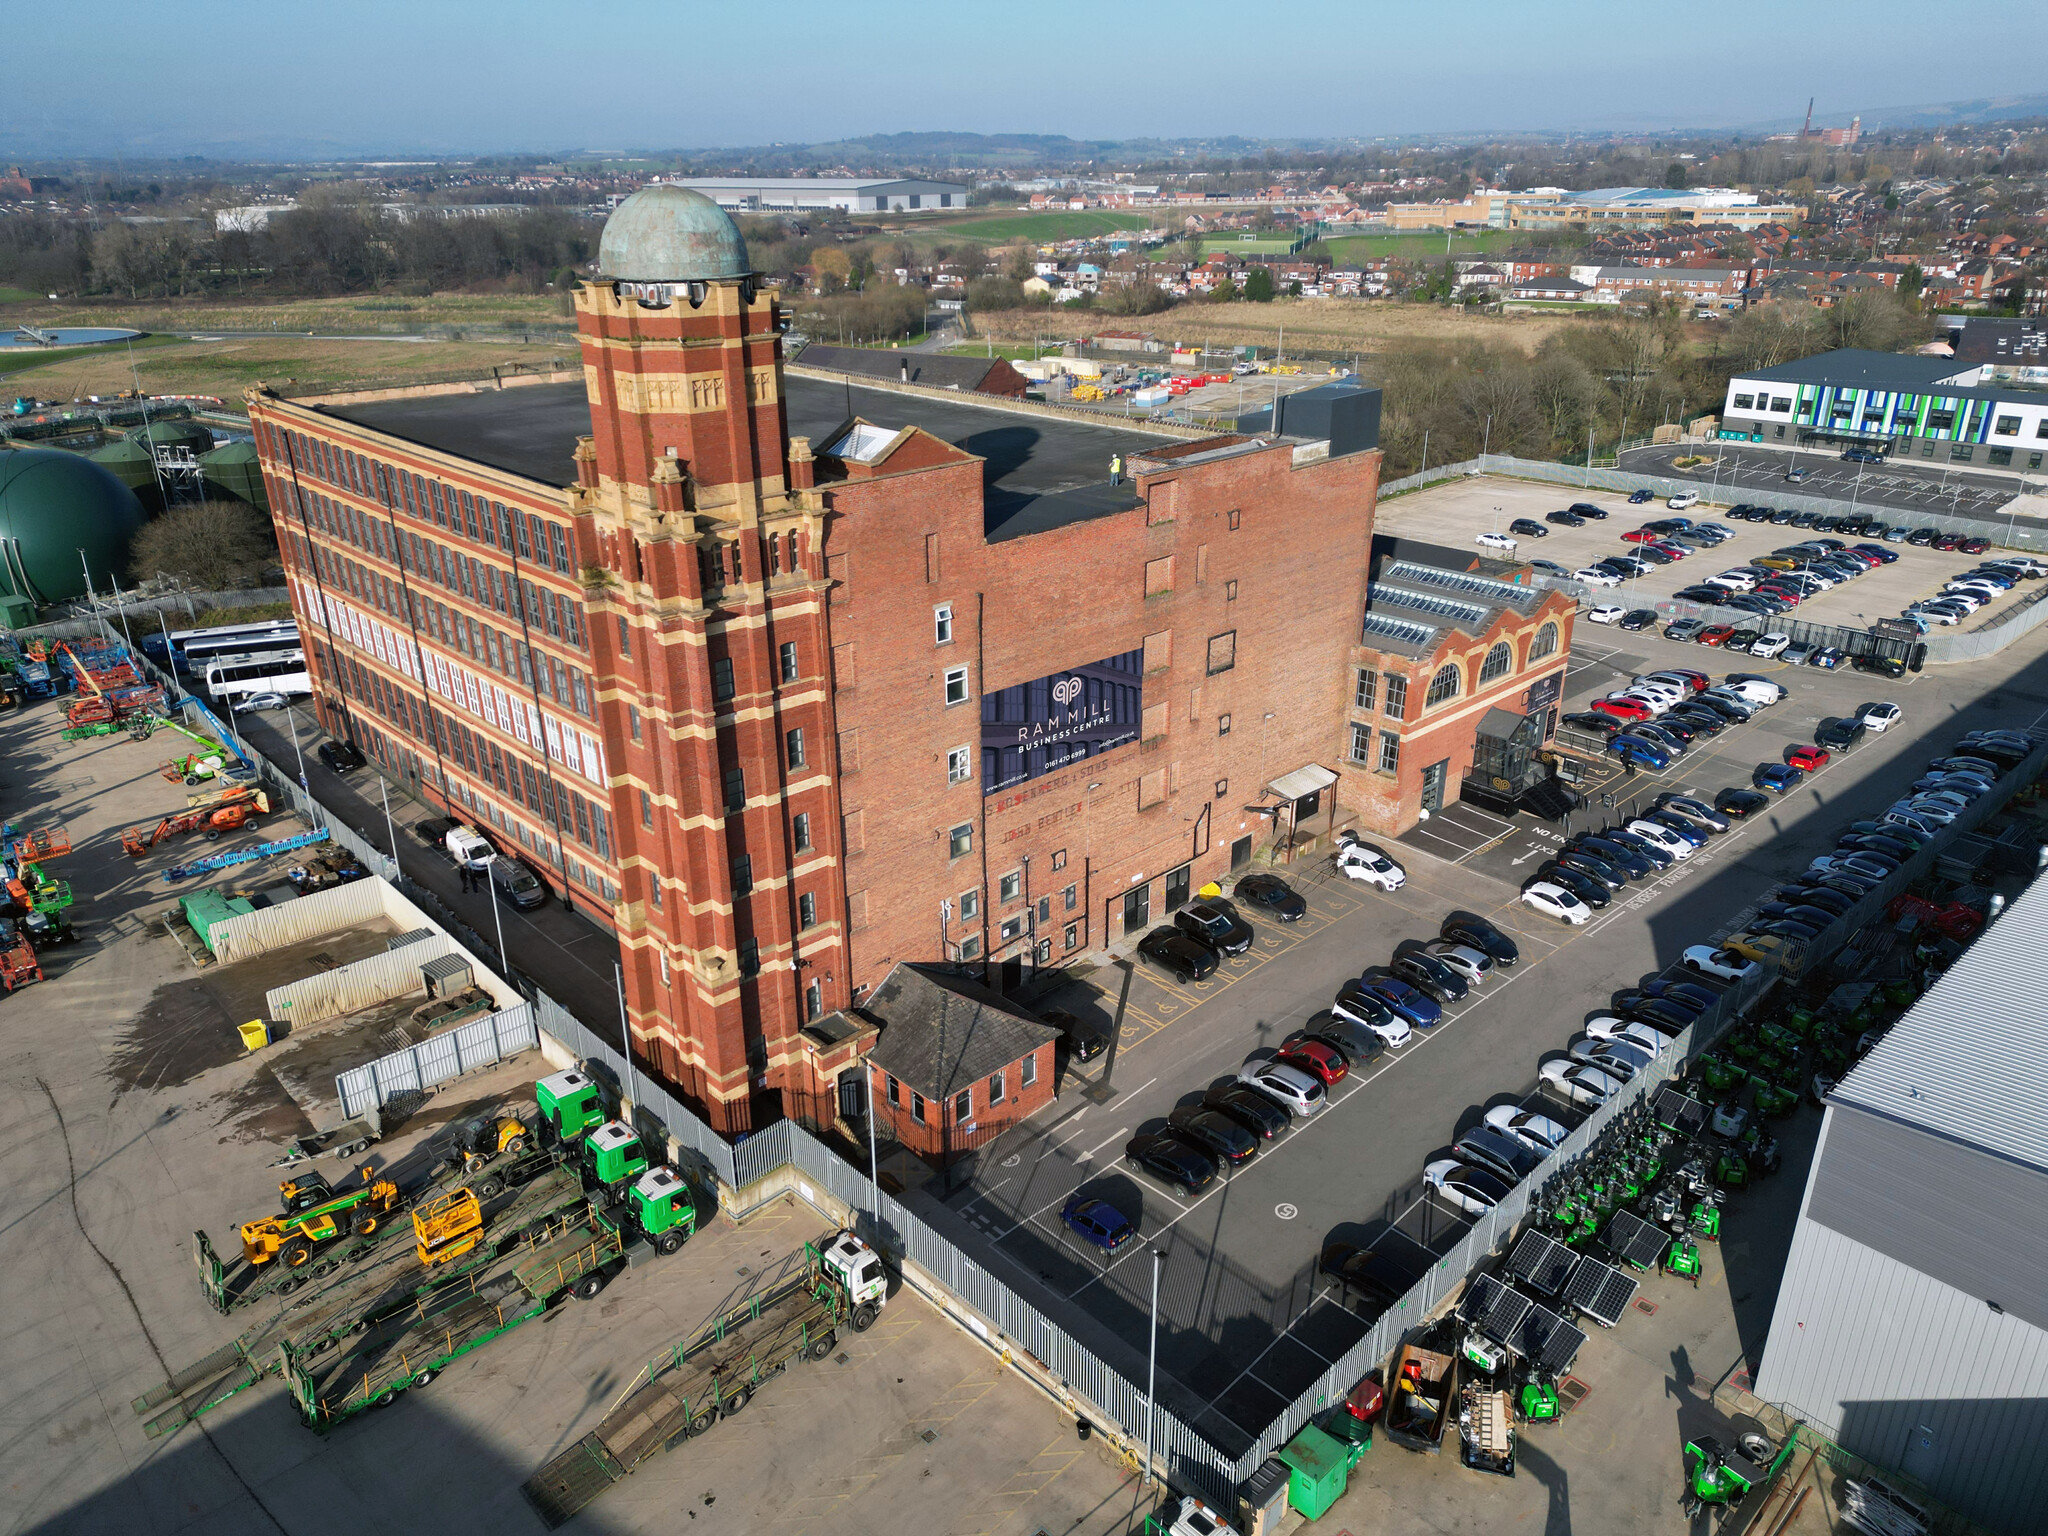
(1473, 964)
(1359, 1044)
(1582, 885)
(1362, 861)
(1682, 500)
(1272, 894)
(1694, 810)
(1879, 717)
(1539, 1133)
(1083, 1039)
(1504, 1156)
(1469, 1189)
(1259, 1113)
(1097, 1222)
(1171, 950)
(1838, 735)
(1565, 519)
(253, 702)
(1667, 838)
(1640, 495)
(1496, 541)
(1368, 1010)
(1216, 1133)
(1773, 644)
(1638, 619)
(1778, 778)
(1578, 1084)
(1380, 1274)
(1553, 900)
(1715, 634)
(340, 756)
(1722, 964)
(1587, 509)
(1323, 1062)
(1171, 1161)
(1634, 749)
(1214, 926)
(1605, 613)
(1417, 1008)
(1430, 976)
(1529, 528)
(1596, 576)
(1683, 629)
(1290, 1086)
(1470, 929)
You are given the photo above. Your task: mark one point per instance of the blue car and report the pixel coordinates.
(1097, 1222)
(1634, 749)
(1637, 498)
(1679, 827)
(1410, 1003)
(1778, 778)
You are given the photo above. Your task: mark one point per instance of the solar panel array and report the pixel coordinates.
(1680, 1113)
(1633, 1240)
(1542, 1263)
(1547, 1341)
(1599, 1290)
(1495, 1309)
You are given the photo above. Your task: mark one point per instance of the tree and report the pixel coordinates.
(834, 268)
(1674, 175)
(1912, 281)
(986, 293)
(1223, 292)
(1258, 285)
(209, 546)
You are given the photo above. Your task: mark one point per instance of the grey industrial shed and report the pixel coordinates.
(1911, 1325)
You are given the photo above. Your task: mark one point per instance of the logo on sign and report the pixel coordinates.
(1066, 690)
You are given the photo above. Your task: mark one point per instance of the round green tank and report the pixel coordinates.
(54, 504)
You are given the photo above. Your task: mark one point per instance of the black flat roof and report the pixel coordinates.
(1042, 471)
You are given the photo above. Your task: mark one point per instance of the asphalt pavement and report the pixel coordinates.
(1907, 485)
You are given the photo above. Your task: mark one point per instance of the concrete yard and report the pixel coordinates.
(130, 1117)
(1456, 512)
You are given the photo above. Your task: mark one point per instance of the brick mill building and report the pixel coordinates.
(791, 680)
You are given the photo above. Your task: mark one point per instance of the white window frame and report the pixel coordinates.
(942, 624)
(956, 679)
(959, 765)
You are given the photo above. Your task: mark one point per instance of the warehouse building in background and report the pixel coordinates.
(1912, 1322)
(790, 679)
(846, 193)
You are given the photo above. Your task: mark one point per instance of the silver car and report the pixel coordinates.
(1289, 1086)
(1474, 965)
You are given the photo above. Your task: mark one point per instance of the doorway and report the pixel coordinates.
(1177, 885)
(1240, 854)
(1012, 975)
(1137, 909)
(1433, 778)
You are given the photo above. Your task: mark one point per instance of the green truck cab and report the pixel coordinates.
(570, 1104)
(661, 1209)
(612, 1156)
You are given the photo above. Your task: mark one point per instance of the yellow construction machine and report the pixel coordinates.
(315, 1213)
(448, 1227)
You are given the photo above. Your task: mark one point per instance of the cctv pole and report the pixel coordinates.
(1152, 1367)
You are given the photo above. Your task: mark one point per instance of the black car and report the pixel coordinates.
(1743, 639)
(1355, 1042)
(1817, 918)
(1882, 666)
(1629, 999)
(1740, 802)
(1700, 718)
(1658, 856)
(1922, 537)
(1214, 926)
(1380, 1274)
(341, 756)
(1587, 509)
(1084, 1041)
(1263, 1117)
(1273, 895)
(1528, 528)
(1735, 714)
(1583, 886)
(1565, 519)
(1593, 720)
(1838, 735)
(1653, 554)
(1470, 928)
(1430, 975)
(1663, 1013)
(1172, 950)
(1639, 618)
(1875, 842)
(1497, 1152)
(1171, 1161)
(434, 832)
(1630, 859)
(1215, 1132)
(1593, 865)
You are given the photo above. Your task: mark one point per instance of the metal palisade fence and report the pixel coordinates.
(437, 1059)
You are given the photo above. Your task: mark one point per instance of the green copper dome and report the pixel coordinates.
(667, 234)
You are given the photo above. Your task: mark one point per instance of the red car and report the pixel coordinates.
(1324, 1063)
(1949, 541)
(1699, 680)
(1716, 634)
(1641, 536)
(1974, 546)
(1622, 709)
(1666, 547)
(1806, 759)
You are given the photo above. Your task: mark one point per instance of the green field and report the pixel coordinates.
(1419, 246)
(1064, 225)
(17, 295)
(1231, 245)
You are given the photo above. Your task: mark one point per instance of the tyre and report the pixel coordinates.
(1757, 1447)
(732, 1406)
(587, 1287)
(703, 1421)
(516, 1147)
(822, 1346)
(473, 1162)
(490, 1188)
(864, 1316)
(668, 1242)
(363, 1223)
(297, 1253)
(424, 1378)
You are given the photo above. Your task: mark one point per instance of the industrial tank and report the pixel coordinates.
(53, 505)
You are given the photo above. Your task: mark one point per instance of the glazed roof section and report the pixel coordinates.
(1409, 607)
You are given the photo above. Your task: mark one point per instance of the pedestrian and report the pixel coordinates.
(1116, 469)
(462, 873)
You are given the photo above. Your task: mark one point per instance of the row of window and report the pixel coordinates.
(788, 669)
(1449, 678)
(963, 1101)
(1388, 759)
(1762, 403)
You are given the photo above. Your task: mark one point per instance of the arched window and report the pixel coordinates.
(1443, 686)
(1544, 644)
(1498, 661)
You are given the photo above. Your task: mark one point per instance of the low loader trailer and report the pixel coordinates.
(714, 1373)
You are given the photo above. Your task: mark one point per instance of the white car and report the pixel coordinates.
(1594, 576)
(1289, 1086)
(1722, 964)
(255, 701)
(1626, 1032)
(1661, 837)
(1611, 1056)
(1734, 581)
(1539, 1133)
(1655, 703)
(1605, 613)
(1472, 1190)
(1577, 1083)
(1934, 615)
(1555, 901)
(1930, 810)
(1773, 644)
(1496, 541)
(1756, 690)
(1362, 861)
(1682, 500)
(1472, 964)
(1877, 718)
(1674, 689)
(1389, 1026)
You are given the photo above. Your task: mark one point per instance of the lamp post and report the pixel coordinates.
(293, 716)
(1152, 1365)
(874, 1163)
(390, 831)
(498, 916)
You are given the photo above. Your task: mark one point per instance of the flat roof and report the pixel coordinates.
(1043, 471)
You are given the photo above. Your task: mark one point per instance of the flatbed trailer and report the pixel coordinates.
(713, 1373)
(385, 1281)
(367, 1367)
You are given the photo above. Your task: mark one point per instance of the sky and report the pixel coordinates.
(228, 77)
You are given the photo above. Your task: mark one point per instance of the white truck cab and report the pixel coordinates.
(858, 1269)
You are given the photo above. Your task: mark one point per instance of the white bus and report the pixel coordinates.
(191, 649)
(232, 677)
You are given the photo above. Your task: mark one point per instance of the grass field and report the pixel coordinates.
(170, 366)
(17, 295)
(369, 313)
(24, 360)
(1067, 224)
(1324, 326)
(1422, 245)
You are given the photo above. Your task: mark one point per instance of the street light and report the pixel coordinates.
(293, 716)
(384, 788)
(1152, 1365)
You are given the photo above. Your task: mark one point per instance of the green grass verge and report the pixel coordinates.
(1419, 246)
(17, 295)
(43, 357)
(1231, 245)
(1066, 225)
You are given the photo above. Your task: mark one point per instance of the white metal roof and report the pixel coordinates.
(1303, 781)
(1969, 1061)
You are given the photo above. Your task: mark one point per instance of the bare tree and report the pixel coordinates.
(209, 546)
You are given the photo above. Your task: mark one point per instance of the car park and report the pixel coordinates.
(1289, 1086)
(1097, 1222)
(1259, 1113)
(1172, 1161)
(1173, 951)
(1216, 1133)
(1470, 1189)
(1578, 1084)
(1362, 861)
(1553, 900)
(1214, 926)
(1537, 1132)
(1474, 931)
(1270, 893)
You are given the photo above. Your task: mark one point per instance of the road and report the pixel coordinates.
(1908, 485)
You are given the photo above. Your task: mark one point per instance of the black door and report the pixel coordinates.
(1137, 909)
(1177, 885)
(1240, 854)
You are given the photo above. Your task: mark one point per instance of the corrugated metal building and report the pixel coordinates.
(1912, 1322)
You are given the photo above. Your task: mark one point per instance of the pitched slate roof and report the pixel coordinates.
(941, 1033)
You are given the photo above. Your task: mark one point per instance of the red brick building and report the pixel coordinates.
(788, 679)
(1450, 659)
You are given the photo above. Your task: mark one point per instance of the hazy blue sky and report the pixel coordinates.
(435, 76)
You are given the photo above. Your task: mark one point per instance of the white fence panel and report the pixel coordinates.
(437, 1059)
(363, 984)
(296, 921)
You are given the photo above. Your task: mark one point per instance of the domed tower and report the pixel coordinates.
(708, 619)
